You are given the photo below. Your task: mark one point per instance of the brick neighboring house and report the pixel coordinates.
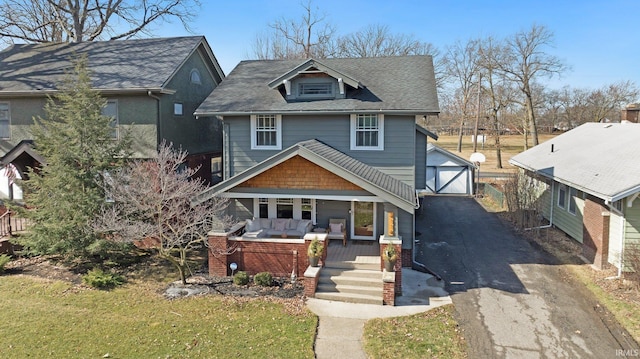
(152, 87)
(316, 140)
(590, 181)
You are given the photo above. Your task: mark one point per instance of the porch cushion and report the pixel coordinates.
(302, 225)
(293, 223)
(280, 224)
(265, 223)
(252, 225)
(336, 228)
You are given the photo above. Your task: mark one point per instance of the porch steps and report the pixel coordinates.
(350, 282)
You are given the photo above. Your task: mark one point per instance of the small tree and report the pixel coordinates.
(76, 140)
(152, 202)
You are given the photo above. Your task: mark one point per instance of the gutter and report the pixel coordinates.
(318, 112)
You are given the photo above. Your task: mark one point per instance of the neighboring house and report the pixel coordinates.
(314, 140)
(590, 181)
(152, 87)
(448, 173)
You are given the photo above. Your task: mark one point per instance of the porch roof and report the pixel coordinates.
(367, 177)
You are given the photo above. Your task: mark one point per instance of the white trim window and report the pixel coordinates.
(111, 110)
(562, 196)
(573, 198)
(266, 132)
(367, 131)
(5, 120)
(178, 109)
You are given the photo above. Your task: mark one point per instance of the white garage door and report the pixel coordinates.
(448, 179)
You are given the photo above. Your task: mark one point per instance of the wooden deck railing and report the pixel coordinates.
(10, 225)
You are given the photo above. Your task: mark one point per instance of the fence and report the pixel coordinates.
(494, 194)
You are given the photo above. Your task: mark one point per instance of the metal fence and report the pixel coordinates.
(494, 194)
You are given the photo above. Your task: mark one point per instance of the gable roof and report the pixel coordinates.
(401, 84)
(117, 65)
(455, 158)
(315, 65)
(368, 178)
(597, 158)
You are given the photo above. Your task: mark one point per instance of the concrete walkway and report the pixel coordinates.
(341, 325)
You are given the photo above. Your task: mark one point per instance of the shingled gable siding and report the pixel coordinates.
(299, 173)
(595, 231)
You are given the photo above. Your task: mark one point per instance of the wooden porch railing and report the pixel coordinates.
(10, 225)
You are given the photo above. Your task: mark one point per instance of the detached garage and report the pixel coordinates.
(448, 173)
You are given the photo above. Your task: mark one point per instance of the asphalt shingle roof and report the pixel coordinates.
(365, 176)
(598, 158)
(402, 83)
(115, 65)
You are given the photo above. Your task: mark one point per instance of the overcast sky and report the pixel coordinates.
(598, 39)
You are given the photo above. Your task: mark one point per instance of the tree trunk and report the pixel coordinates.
(496, 130)
(460, 135)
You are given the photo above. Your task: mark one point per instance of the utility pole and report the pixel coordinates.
(475, 130)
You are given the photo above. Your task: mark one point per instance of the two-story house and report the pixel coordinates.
(152, 87)
(311, 141)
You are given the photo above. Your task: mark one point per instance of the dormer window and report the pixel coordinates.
(315, 89)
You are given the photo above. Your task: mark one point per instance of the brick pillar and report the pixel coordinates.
(218, 262)
(595, 232)
(392, 282)
(311, 277)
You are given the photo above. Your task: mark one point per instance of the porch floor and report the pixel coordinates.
(356, 252)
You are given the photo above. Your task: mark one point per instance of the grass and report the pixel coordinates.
(432, 334)
(510, 146)
(55, 319)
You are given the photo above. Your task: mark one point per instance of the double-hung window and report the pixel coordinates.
(111, 110)
(562, 196)
(367, 131)
(573, 197)
(266, 132)
(5, 120)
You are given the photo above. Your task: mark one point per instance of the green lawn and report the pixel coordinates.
(56, 320)
(433, 334)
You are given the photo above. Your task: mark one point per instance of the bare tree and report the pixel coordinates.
(607, 102)
(151, 202)
(462, 67)
(88, 20)
(296, 39)
(525, 62)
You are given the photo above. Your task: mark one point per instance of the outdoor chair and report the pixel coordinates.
(337, 229)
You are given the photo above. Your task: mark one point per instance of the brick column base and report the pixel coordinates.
(311, 277)
(218, 261)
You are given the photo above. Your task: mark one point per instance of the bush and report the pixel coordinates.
(100, 279)
(4, 259)
(241, 278)
(263, 279)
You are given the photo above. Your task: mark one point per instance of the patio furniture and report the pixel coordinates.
(337, 229)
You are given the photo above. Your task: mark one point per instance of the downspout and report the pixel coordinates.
(550, 212)
(158, 122)
(622, 234)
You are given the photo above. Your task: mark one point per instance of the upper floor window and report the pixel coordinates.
(367, 132)
(5, 120)
(111, 110)
(562, 196)
(195, 77)
(177, 109)
(266, 132)
(311, 89)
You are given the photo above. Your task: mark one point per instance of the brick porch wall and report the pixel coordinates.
(278, 257)
(392, 286)
(595, 232)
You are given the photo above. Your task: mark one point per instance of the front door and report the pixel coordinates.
(363, 220)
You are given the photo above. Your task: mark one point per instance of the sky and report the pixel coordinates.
(599, 40)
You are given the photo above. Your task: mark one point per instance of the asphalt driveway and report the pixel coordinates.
(512, 299)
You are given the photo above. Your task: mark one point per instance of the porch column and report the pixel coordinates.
(390, 221)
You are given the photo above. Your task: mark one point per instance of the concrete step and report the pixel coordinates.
(350, 297)
(349, 289)
(350, 273)
(373, 264)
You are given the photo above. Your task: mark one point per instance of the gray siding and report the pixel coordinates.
(201, 135)
(406, 228)
(396, 160)
(332, 209)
